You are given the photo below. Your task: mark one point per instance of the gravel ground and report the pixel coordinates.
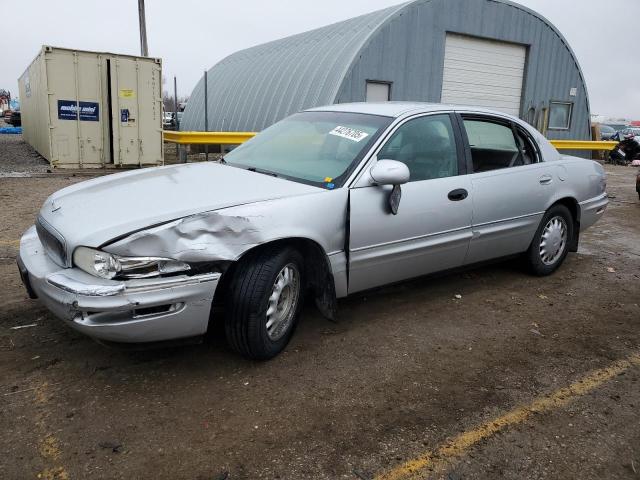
(404, 369)
(18, 158)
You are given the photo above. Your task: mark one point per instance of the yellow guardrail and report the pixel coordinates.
(582, 145)
(207, 138)
(236, 138)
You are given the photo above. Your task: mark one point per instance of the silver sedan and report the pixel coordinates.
(325, 203)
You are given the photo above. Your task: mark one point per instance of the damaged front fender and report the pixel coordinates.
(228, 234)
(202, 237)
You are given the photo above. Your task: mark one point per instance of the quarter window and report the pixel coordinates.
(426, 145)
(560, 115)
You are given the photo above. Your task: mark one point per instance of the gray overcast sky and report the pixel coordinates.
(191, 36)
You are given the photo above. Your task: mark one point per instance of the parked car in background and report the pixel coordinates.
(606, 132)
(627, 132)
(323, 204)
(617, 126)
(168, 120)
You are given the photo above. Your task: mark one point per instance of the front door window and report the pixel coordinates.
(426, 145)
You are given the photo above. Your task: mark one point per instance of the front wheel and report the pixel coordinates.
(550, 244)
(265, 300)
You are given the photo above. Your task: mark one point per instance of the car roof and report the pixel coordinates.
(398, 109)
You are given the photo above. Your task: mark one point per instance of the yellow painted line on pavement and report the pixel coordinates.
(435, 462)
(48, 444)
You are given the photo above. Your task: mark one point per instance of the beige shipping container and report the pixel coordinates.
(88, 110)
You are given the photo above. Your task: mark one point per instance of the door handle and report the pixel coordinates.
(545, 179)
(458, 194)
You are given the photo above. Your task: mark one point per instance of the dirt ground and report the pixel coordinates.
(405, 370)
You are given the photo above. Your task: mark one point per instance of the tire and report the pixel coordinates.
(264, 302)
(557, 224)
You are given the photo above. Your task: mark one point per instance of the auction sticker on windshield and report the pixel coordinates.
(350, 133)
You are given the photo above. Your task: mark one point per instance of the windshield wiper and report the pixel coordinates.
(265, 172)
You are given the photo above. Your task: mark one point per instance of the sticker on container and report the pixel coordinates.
(124, 116)
(127, 93)
(27, 85)
(350, 133)
(68, 110)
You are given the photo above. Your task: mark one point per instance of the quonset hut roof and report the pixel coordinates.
(254, 88)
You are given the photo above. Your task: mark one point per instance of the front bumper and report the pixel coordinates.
(132, 311)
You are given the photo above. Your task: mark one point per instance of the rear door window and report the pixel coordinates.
(493, 145)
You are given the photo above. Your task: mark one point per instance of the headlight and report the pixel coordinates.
(108, 265)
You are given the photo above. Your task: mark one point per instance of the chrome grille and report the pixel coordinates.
(52, 241)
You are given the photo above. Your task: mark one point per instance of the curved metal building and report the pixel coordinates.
(491, 53)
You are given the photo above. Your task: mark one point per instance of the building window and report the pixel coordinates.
(560, 115)
(378, 91)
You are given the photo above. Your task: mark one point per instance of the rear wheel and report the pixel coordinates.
(550, 244)
(265, 300)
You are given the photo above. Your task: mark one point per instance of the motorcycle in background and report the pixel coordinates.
(626, 151)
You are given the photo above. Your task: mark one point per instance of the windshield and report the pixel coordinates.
(319, 148)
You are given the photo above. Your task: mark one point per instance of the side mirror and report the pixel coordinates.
(389, 172)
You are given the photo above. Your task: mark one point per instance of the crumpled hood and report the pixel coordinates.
(94, 212)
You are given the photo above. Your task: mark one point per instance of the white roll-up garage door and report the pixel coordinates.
(483, 73)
